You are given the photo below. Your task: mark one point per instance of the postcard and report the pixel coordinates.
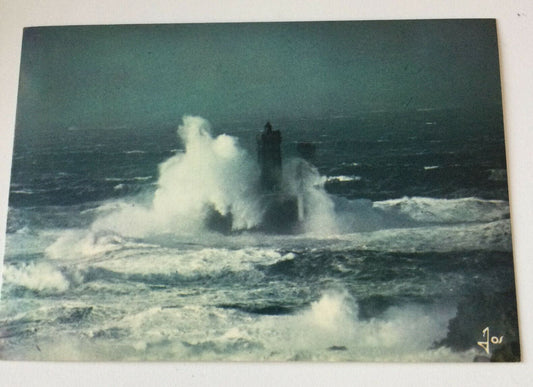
(277, 191)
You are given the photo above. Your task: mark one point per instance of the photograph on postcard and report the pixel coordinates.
(282, 191)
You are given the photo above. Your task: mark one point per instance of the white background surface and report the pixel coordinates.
(515, 30)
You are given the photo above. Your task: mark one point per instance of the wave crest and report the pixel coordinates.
(213, 173)
(41, 276)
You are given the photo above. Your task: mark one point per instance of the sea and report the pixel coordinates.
(404, 253)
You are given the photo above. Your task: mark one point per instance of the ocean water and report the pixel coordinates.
(404, 253)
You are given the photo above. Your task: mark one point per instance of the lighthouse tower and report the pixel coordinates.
(269, 157)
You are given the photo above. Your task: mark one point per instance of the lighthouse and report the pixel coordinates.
(269, 157)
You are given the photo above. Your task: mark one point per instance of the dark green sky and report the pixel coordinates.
(116, 75)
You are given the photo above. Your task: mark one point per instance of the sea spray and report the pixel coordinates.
(124, 280)
(212, 174)
(315, 206)
(42, 277)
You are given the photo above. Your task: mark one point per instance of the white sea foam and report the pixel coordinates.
(352, 164)
(214, 173)
(355, 224)
(134, 151)
(329, 329)
(129, 263)
(135, 178)
(22, 191)
(211, 173)
(41, 276)
(484, 236)
(304, 181)
(446, 210)
(343, 178)
(81, 244)
(76, 244)
(164, 261)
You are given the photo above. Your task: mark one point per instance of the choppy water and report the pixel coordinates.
(405, 253)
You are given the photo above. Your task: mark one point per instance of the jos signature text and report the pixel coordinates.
(494, 340)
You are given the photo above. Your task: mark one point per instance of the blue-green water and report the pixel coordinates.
(404, 254)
